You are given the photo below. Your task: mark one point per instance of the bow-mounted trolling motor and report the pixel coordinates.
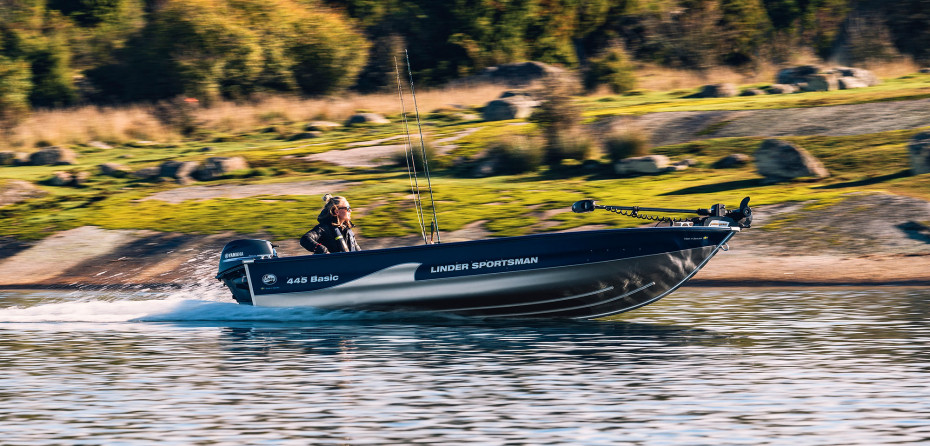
(717, 215)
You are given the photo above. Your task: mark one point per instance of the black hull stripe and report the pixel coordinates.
(536, 302)
(558, 310)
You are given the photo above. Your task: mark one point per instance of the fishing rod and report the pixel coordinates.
(434, 226)
(409, 157)
(741, 216)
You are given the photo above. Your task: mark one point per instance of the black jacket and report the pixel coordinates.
(326, 237)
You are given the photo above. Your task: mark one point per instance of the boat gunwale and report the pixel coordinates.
(381, 251)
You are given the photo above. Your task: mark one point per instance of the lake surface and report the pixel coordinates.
(701, 367)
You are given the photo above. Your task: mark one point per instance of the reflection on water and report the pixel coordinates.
(703, 366)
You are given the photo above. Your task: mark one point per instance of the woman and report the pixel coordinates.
(334, 232)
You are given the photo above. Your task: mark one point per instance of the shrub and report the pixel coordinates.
(14, 90)
(557, 115)
(626, 143)
(402, 157)
(572, 144)
(516, 154)
(613, 69)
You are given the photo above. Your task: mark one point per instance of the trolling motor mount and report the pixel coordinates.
(741, 217)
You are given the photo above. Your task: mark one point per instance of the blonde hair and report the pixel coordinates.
(328, 213)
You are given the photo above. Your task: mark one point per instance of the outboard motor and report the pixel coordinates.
(231, 271)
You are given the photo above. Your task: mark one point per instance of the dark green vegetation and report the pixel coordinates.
(533, 201)
(64, 52)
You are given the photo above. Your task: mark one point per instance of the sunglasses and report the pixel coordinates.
(345, 208)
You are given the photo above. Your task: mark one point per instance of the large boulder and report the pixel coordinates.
(717, 91)
(778, 160)
(147, 173)
(847, 83)
(822, 82)
(814, 78)
(13, 158)
(860, 74)
(732, 160)
(321, 126)
(919, 149)
(522, 74)
(783, 89)
(367, 118)
(218, 166)
(14, 191)
(68, 178)
(753, 92)
(649, 164)
(114, 170)
(53, 156)
(796, 75)
(181, 171)
(512, 107)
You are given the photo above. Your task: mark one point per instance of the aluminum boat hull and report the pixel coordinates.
(582, 275)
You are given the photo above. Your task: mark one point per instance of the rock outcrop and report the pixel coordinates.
(732, 160)
(814, 78)
(520, 74)
(14, 191)
(778, 160)
(649, 164)
(68, 178)
(218, 166)
(366, 118)
(53, 156)
(919, 150)
(14, 158)
(724, 90)
(114, 170)
(513, 106)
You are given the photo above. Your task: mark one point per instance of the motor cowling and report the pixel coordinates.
(238, 251)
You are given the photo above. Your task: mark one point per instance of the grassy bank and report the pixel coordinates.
(507, 205)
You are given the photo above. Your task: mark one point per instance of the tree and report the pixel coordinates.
(743, 24)
(90, 13)
(613, 68)
(783, 14)
(909, 22)
(15, 84)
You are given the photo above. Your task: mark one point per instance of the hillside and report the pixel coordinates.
(869, 215)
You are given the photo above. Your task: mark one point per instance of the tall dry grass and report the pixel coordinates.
(84, 124)
(896, 68)
(656, 78)
(117, 125)
(650, 77)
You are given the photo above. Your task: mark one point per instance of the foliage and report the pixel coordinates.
(626, 143)
(743, 25)
(516, 154)
(908, 21)
(859, 163)
(209, 49)
(613, 69)
(412, 157)
(572, 144)
(15, 85)
(52, 85)
(150, 50)
(558, 117)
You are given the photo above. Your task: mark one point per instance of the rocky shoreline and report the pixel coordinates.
(823, 247)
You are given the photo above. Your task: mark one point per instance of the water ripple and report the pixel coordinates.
(701, 367)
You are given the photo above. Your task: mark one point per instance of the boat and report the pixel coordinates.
(578, 275)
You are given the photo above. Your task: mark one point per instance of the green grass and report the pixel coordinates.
(508, 205)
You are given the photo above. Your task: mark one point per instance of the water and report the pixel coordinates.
(701, 367)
